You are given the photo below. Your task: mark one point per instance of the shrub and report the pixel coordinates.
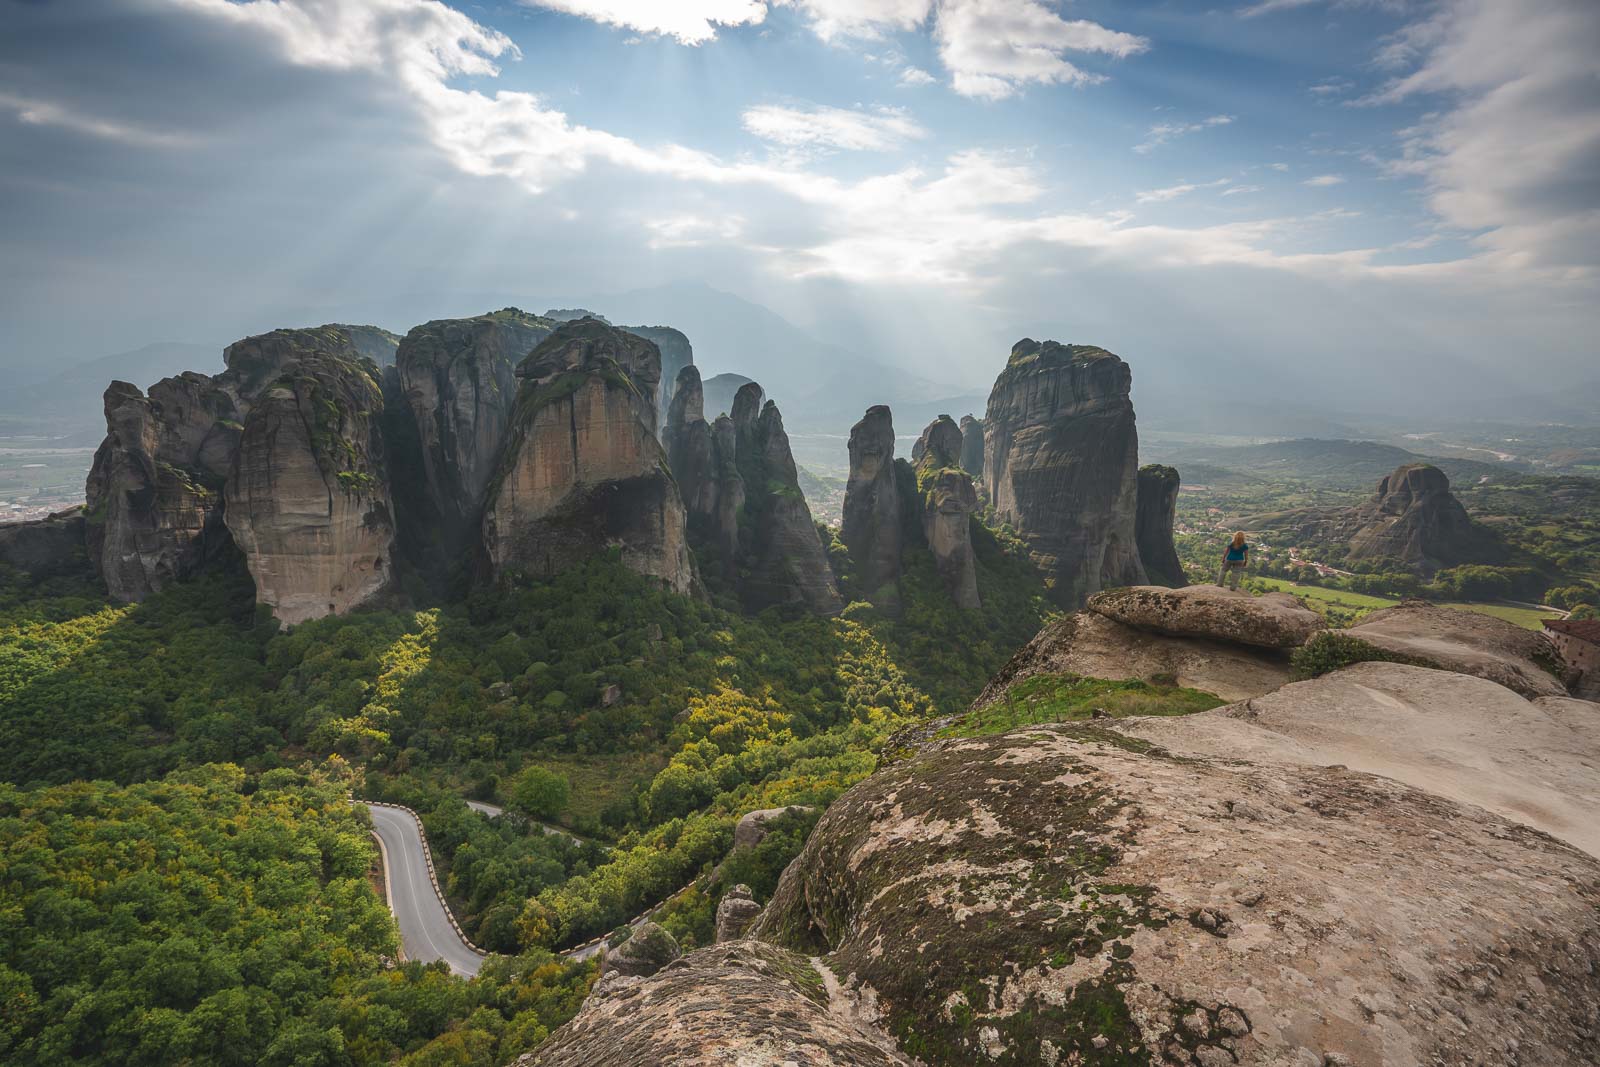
(1329, 651)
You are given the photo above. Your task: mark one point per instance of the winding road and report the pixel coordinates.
(427, 930)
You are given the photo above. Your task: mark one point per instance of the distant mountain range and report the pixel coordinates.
(1333, 463)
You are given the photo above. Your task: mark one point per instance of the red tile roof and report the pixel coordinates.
(1583, 629)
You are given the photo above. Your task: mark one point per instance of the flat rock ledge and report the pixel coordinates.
(1467, 642)
(1274, 620)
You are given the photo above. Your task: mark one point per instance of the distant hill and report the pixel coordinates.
(71, 399)
(719, 392)
(1330, 463)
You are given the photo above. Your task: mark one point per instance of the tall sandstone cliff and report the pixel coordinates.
(871, 527)
(949, 501)
(1061, 457)
(153, 511)
(1158, 508)
(972, 447)
(749, 518)
(582, 470)
(676, 354)
(307, 498)
(460, 384)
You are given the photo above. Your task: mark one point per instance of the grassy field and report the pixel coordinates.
(1529, 618)
(1072, 698)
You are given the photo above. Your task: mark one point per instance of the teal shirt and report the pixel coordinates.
(1237, 555)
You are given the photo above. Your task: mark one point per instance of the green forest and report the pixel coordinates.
(185, 873)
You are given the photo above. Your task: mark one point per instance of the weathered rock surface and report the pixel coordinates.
(307, 500)
(753, 827)
(1449, 734)
(154, 493)
(374, 342)
(676, 354)
(1413, 520)
(690, 449)
(871, 527)
(1467, 642)
(46, 547)
(1158, 508)
(646, 951)
(582, 470)
(1067, 894)
(1061, 457)
(972, 447)
(1097, 647)
(1274, 620)
(459, 379)
(735, 911)
(949, 501)
(735, 1004)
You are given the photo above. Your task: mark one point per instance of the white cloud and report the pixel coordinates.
(1241, 190)
(50, 113)
(1160, 134)
(1514, 150)
(1280, 167)
(688, 21)
(862, 18)
(993, 48)
(916, 77)
(1324, 180)
(833, 127)
(1172, 192)
(1267, 7)
(1331, 87)
(690, 230)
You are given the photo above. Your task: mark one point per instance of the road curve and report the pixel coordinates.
(426, 932)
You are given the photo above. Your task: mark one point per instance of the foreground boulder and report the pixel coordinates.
(307, 500)
(648, 949)
(1061, 458)
(1468, 642)
(1094, 646)
(1158, 507)
(1067, 894)
(1452, 735)
(732, 1004)
(1274, 620)
(459, 381)
(582, 471)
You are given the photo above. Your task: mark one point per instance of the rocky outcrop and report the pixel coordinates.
(1274, 620)
(1157, 514)
(949, 501)
(735, 912)
(47, 547)
(582, 470)
(1061, 456)
(972, 447)
(1468, 642)
(676, 354)
(373, 342)
(459, 380)
(753, 827)
(307, 499)
(871, 527)
(1094, 646)
(1071, 894)
(1412, 521)
(648, 949)
(737, 1003)
(153, 498)
(748, 517)
(1452, 735)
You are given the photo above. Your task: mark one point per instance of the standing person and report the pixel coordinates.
(1234, 561)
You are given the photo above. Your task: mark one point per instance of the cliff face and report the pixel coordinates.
(373, 342)
(676, 354)
(1415, 518)
(949, 501)
(1157, 511)
(1061, 461)
(582, 469)
(307, 500)
(459, 380)
(749, 520)
(44, 548)
(153, 500)
(871, 528)
(972, 447)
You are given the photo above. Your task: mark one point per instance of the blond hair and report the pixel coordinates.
(1238, 538)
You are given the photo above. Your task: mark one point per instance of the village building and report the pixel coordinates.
(1578, 645)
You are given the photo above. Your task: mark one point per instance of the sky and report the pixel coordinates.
(1387, 203)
